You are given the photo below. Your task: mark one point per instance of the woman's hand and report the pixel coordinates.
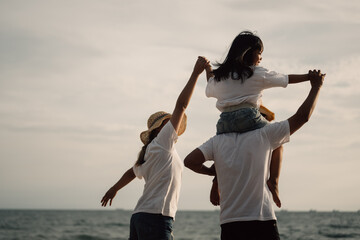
(200, 65)
(109, 195)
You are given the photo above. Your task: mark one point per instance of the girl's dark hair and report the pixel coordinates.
(239, 58)
(141, 156)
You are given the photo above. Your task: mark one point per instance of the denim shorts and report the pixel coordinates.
(149, 226)
(240, 121)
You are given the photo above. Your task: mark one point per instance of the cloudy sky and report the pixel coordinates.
(78, 80)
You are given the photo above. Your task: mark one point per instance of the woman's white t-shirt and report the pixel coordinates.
(232, 92)
(162, 172)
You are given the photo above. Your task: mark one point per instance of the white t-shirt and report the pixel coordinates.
(232, 92)
(162, 171)
(242, 163)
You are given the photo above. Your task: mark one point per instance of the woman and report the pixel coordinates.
(161, 167)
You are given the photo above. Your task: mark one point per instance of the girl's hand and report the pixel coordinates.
(316, 78)
(200, 65)
(208, 67)
(109, 195)
(208, 70)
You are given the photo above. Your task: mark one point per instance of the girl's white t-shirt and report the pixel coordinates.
(162, 172)
(232, 92)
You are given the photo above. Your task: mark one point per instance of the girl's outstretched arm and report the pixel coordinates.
(128, 176)
(298, 78)
(184, 97)
(209, 72)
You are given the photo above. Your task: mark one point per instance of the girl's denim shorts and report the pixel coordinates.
(240, 121)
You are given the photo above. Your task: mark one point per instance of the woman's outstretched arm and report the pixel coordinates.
(128, 176)
(185, 96)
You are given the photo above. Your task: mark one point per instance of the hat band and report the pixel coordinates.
(158, 118)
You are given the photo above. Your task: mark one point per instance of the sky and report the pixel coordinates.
(79, 79)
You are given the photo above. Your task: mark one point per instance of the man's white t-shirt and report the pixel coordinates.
(162, 171)
(232, 92)
(242, 163)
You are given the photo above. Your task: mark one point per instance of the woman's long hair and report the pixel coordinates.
(239, 59)
(141, 157)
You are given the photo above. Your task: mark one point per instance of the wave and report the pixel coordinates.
(87, 237)
(339, 235)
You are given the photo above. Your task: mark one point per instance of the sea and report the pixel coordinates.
(189, 225)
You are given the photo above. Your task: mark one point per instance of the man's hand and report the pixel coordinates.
(214, 193)
(316, 78)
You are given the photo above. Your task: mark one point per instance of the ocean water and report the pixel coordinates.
(189, 225)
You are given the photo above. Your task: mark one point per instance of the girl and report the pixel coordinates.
(238, 84)
(161, 167)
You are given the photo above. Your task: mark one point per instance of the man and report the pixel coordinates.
(242, 169)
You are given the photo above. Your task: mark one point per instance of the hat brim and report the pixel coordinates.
(144, 136)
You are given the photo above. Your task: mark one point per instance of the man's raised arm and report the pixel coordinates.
(304, 112)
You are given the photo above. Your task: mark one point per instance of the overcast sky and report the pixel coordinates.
(78, 80)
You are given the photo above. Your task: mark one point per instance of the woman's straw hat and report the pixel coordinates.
(155, 121)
